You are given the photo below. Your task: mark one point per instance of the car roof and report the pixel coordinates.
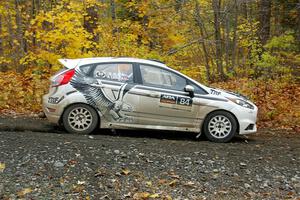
(72, 63)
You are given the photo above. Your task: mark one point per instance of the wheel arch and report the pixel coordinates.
(78, 103)
(237, 121)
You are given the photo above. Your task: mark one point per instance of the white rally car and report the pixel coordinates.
(131, 93)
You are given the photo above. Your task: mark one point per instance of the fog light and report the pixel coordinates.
(250, 127)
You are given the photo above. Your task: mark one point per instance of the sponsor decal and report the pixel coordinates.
(171, 99)
(164, 98)
(214, 92)
(55, 100)
(113, 76)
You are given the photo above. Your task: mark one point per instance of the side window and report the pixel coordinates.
(121, 72)
(154, 76)
(198, 90)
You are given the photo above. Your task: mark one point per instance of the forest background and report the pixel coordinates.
(248, 46)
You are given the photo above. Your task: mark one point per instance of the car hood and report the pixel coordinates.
(227, 94)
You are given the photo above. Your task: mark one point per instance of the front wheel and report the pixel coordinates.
(80, 119)
(220, 126)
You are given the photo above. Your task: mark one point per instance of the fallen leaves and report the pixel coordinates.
(72, 162)
(173, 183)
(78, 188)
(23, 192)
(162, 181)
(2, 167)
(23, 92)
(278, 101)
(175, 176)
(100, 172)
(189, 184)
(145, 195)
(149, 183)
(81, 182)
(126, 172)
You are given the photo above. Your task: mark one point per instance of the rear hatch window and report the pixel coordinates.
(61, 70)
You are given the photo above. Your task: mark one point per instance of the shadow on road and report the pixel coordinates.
(170, 135)
(165, 135)
(142, 133)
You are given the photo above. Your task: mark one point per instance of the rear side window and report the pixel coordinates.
(85, 69)
(157, 77)
(121, 72)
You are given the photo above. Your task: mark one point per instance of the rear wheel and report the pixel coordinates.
(220, 126)
(80, 119)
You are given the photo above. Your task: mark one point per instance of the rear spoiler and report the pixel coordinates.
(69, 63)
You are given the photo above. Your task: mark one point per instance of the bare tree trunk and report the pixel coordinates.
(11, 34)
(244, 8)
(1, 42)
(217, 25)
(234, 40)
(178, 5)
(251, 15)
(20, 38)
(202, 42)
(2, 68)
(265, 16)
(115, 29)
(113, 10)
(19, 26)
(298, 29)
(227, 41)
(91, 21)
(33, 14)
(277, 25)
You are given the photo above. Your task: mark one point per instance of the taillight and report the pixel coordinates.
(63, 78)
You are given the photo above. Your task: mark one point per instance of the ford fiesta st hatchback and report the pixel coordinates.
(131, 93)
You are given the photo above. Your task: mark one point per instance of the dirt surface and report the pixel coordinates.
(51, 164)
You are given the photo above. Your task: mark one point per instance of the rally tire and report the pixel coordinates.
(220, 126)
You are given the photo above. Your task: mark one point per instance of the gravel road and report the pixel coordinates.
(148, 164)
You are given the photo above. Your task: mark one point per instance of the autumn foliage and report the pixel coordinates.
(22, 93)
(249, 47)
(278, 101)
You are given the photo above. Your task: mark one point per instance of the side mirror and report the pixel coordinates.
(190, 89)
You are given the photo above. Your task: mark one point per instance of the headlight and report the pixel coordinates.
(242, 103)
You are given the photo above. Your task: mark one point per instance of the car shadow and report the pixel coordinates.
(158, 134)
(243, 139)
(166, 135)
(155, 134)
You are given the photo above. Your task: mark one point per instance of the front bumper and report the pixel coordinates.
(244, 127)
(247, 119)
